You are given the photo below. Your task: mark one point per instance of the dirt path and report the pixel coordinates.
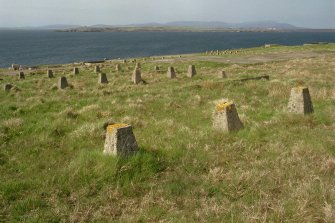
(243, 59)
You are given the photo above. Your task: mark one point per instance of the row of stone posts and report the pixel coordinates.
(136, 77)
(120, 139)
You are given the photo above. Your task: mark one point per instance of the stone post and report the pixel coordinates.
(118, 67)
(62, 83)
(171, 73)
(191, 71)
(102, 78)
(120, 140)
(300, 101)
(225, 118)
(156, 68)
(137, 76)
(222, 74)
(96, 69)
(50, 74)
(138, 66)
(8, 87)
(21, 76)
(75, 70)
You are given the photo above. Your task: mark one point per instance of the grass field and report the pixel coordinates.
(279, 168)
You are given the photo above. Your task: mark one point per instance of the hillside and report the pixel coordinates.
(187, 26)
(279, 168)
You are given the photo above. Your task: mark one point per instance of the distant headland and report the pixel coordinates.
(180, 26)
(194, 26)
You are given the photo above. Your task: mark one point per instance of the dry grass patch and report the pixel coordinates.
(13, 123)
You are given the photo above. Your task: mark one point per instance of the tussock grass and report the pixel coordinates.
(279, 168)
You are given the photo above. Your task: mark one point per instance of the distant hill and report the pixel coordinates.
(49, 27)
(222, 25)
(261, 25)
(57, 26)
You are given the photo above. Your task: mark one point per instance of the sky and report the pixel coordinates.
(302, 13)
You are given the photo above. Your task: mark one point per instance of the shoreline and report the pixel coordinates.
(170, 29)
(188, 29)
(223, 54)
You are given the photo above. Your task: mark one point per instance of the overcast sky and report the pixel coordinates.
(304, 13)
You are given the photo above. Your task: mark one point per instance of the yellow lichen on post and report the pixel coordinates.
(120, 140)
(111, 128)
(300, 88)
(225, 117)
(221, 106)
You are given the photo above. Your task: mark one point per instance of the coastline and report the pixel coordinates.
(185, 29)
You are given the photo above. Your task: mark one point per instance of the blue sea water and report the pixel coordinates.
(49, 47)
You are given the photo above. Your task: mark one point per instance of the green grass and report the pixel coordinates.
(279, 168)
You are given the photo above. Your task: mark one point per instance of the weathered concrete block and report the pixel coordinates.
(222, 74)
(8, 87)
(76, 70)
(137, 76)
(96, 69)
(120, 140)
(15, 66)
(263, 77)
(300, 101)
(171, 73)
(156, 68)
(138, 66)
(191, 71)
(21, 76)
(62, 83)
(50, 74)
(102, 78)
(118, 67)
(225, 118)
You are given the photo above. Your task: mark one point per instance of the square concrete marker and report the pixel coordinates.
(8, 87)
(300, 101)
(21, 76)
(120, 140)
(222, 74)
(76, 70)
(191, 71)
(138, 66)
(118, 67)
(171, 73)
(137, 76)
(102, 78)
(50, 74)
(62, 83)
(225, 118)
(96, 69)
(15, 67)
(156, 68)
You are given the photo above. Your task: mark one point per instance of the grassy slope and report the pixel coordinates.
(281, 167)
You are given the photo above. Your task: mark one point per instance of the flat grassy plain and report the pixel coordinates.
(279, 168)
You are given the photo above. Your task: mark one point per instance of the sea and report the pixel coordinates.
(33, 48)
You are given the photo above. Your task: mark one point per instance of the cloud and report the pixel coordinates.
(309, 13)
